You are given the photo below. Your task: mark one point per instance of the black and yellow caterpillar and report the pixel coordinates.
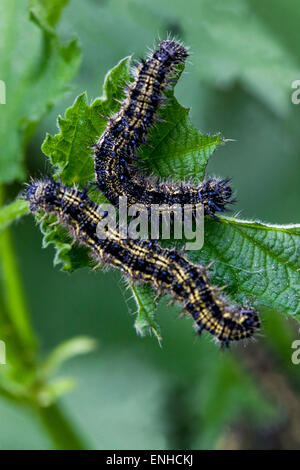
(116, 150)
(168, 271)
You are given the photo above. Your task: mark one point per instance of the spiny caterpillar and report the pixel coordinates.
(166, 270)
(116, 150)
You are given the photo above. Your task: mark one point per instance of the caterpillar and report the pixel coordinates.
(115, 151)
(168, 271)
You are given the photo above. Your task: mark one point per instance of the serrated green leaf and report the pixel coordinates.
(36, 70)
(12, 212)
(177, 149)
(259, 262)
(69, 150)
(71, 256)
(145, 322)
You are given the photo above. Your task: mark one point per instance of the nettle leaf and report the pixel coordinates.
(72, 257)
(71, 156)
(36, 69)
(258, 262)
(69, 150)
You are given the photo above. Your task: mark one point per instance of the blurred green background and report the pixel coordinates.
(132, 393)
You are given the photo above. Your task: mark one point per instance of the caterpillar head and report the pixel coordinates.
(41, 194)
(172, 51)
(215, 195)
(240, 323)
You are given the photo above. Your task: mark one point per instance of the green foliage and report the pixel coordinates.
(36, 68)
(72, 257)
(145, 319)
(69, 151)
(182, 383)
(257, 261)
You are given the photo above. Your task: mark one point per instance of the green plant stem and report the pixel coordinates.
(14, 295)
(59, 429)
